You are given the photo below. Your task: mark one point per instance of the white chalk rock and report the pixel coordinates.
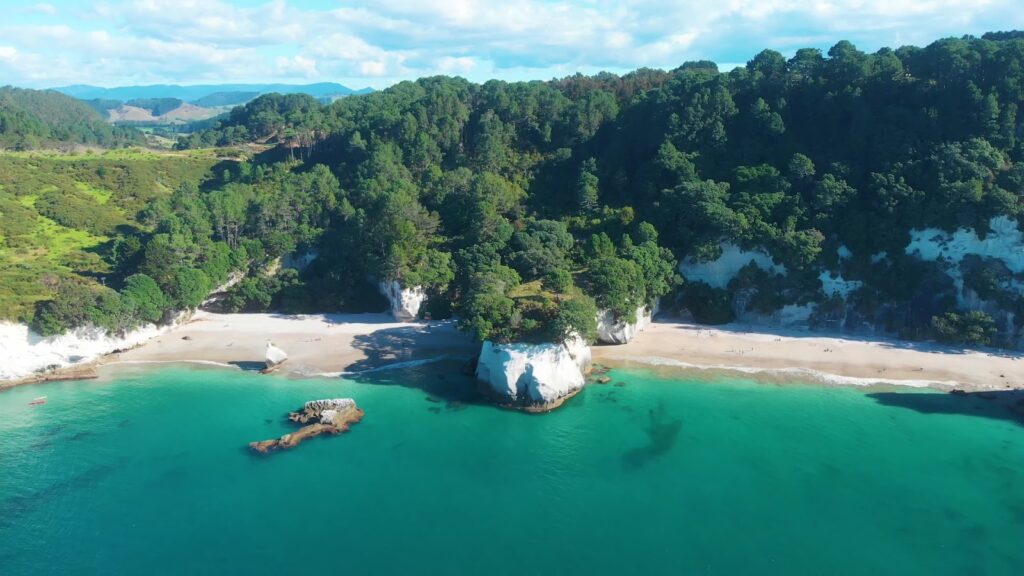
(612, 331)
(275, 355)
(405, 302)
(718, 273)
(1004, 241)
(24, 353)
(534, 374)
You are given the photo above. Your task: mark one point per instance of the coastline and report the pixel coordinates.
(336, 345)
(818, 358)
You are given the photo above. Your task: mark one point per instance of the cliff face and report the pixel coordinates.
(960, 259)
(612, 331)
(538, 376)
(405, 303)
(24, 353)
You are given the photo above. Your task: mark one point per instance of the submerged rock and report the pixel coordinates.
(404, 303)
(617, 331)
(274, 358)
(331, 416)
(535, 377)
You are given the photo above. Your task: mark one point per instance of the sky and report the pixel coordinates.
(376, 43)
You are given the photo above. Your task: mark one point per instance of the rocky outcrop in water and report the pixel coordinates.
(404, 303)
(331, 416)
(534, 377)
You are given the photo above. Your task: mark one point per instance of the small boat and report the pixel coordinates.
(38, 401)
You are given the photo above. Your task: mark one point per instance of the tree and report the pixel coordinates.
(617, 285)
(586, 188)
(577, 316)
(191, 286)
(541, 248)
(975, 328)
(143, 297)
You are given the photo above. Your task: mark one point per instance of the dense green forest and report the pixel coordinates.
(525, 207)
(32, 119)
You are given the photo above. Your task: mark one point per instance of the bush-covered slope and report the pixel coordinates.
(522, 206)
(75, 218)
(31, 119)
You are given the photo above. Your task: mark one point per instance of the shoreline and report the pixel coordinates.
(771, 355)
(340, 345)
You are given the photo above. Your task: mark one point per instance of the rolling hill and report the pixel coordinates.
(225, 93)
(41, 118)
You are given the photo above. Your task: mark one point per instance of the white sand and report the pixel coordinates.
(810, 357)
(317, 344)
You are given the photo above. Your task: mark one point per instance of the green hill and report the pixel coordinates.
(31, 119)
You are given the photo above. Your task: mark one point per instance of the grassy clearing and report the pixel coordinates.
(98, 194)
(57, 209)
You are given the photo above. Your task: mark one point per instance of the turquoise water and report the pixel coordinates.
(147, 472)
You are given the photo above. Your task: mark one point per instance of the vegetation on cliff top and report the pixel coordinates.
(595, 186)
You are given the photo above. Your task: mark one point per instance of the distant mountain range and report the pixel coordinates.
(174, 104)
(218, 94)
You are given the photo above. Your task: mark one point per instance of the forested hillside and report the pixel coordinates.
(31, 119)
(79, 221)
(524, 207)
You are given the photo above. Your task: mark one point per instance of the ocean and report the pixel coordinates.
(147, 471)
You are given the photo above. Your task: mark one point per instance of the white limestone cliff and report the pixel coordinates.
(534, 375)
(612, 331)
(24, 353)
(404, 302)
(719, 272)
(1004, 242)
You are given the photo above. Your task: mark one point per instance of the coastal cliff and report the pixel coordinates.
(404, 302)
(617, 331)
(24, 353)
(534, 377)
(979, 271)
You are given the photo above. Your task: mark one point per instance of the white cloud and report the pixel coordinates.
(297, 65)
(381, 41)
(41, 8)
(456, 64)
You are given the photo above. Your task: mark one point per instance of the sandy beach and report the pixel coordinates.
(812, 357)
(338, 344)
(317, 344)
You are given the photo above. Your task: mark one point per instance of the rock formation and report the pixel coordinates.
(535, 377)
(275, 356)
(404, 302)
(331, 416)
(612, 331)
(24, 354)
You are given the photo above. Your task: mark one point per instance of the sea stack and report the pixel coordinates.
(533, 377)
(404, 303)
(274, 357)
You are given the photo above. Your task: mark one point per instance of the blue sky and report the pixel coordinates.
(379, 42)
